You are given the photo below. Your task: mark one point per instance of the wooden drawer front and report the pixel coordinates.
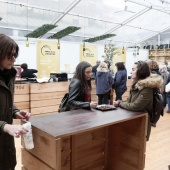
(50, 95)
(125, 147)
(49, 87)
(21, 98)
(46, 149)
(30, 162)
(88, 150)
(22, 105)
(45, 103)
(22, 88)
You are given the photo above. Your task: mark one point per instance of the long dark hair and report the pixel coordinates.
(120, 66)
(6, 46)
(80, 74)
(143, 71)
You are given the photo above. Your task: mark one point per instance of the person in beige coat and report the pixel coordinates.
(141, 92)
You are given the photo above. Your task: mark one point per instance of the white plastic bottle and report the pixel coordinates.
(28, 139)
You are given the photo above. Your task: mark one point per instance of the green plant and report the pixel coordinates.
(98, 38)
(41, 30)
(110, 51)
(64, 32)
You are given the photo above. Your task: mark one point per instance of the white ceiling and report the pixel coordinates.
(139, 22)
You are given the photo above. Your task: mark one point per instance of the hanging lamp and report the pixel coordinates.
(84, 49)
(27, 43)
(58, 45)
(138, 51)
(105, 48)
(123, 50)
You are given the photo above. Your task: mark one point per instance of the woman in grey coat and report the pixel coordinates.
(103, 83)
(8, 53)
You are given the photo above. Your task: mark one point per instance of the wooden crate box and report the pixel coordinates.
(21, 97)
(83, 139)
(46, 97)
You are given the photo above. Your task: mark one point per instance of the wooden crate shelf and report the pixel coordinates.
(160, 55)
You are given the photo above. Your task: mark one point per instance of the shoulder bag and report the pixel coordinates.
(63, 105)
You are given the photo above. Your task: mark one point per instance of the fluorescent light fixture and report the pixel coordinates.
(120, 4)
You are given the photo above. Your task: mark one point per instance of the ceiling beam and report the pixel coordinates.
(110, 22)
(129, 20)
(71, 14)
(66, 12)
(132, 1)
(153, 35)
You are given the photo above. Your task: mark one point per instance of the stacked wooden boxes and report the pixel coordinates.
(46, 97)
(21, 97)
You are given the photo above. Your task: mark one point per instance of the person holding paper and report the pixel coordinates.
(8, 54)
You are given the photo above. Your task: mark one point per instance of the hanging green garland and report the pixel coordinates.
(64, 32)
(41, 31)
(98, 38)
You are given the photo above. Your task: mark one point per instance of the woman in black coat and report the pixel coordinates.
(80, 88)
(8, 54)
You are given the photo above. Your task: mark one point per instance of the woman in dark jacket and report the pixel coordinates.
(28, 73)
(141, 92)
(8, 53)
(120, 80)
(80, 88)
(103, 83)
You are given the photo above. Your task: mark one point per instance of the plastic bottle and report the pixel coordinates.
(28, 139)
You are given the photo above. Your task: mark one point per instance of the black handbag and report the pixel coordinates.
(63, 105)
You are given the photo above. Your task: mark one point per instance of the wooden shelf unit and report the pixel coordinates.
(160, 55)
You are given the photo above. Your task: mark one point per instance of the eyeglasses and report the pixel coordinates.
(10, 55)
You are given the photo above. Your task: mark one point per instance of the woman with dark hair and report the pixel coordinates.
(120, 80)
(141, 92)
(8, 54)
(80, 88)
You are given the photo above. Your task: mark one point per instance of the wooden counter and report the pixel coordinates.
(87, 140)
(44, 98)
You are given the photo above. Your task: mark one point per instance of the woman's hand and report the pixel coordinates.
(22, 114)
(15, 130)
(93, 105)
(116, 103)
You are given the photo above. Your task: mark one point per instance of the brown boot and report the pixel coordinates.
(168, 111)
